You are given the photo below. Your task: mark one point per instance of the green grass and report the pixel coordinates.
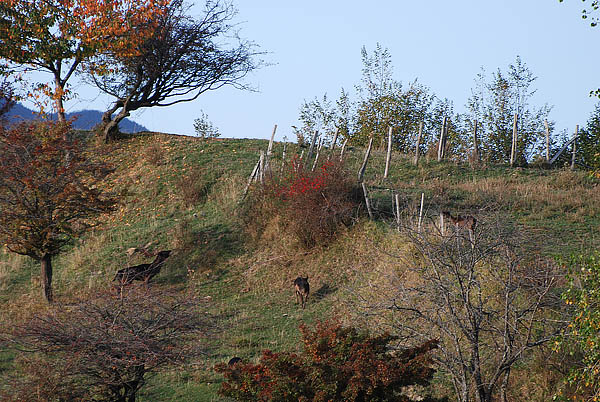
(248, 284)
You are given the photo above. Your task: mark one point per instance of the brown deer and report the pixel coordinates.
(302, 289)
(468, 222)
(142, 272)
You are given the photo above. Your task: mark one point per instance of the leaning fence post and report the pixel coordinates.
(389, 153)
(574, 147)
(335, 137)
(361, 172)
(418, 143)
(316, 157)
(251, 178)
(442, 141)
(343, 149)
(312, 144)
(270, 150)
(421, 211)
(261, 169)
(364, 187)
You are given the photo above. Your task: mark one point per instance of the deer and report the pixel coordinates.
(142, 272)
(234, 360)
(302, 289)
(468, 222)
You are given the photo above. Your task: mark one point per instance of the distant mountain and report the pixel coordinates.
(84, 119)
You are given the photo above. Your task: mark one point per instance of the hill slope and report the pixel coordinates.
(184, 194)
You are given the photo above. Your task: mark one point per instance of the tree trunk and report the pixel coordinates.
(111, 124)
(46, 263)
(58, 101)
(504, 388)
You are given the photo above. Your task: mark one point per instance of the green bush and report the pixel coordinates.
(582, 336)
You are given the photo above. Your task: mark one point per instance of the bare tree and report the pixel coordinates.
(487, 300)
(104, 347)
(184, 59)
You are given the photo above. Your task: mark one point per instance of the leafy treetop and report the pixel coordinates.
(56, 36)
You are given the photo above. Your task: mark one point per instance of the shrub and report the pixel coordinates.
(311, 204)
(204, 127)
(581, 336)
(195, 186)
(103, 347)
(154, 154)
(338, 364)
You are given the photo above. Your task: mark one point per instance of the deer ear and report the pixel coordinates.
(306, 278)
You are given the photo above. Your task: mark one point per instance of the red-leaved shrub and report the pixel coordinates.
(311, 204)
(338, 364)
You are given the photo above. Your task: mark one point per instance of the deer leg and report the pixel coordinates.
(303, 301)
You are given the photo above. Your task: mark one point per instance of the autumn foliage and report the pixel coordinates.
(338, 364)
(60, 36)
(312, 205)
(49, 193)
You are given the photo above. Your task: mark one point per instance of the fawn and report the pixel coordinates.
(302, 289)
(142, 272)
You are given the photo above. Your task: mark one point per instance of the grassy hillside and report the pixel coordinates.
(183, 194)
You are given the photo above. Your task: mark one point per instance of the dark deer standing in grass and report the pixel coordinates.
(302, 289)
(142, 272)
(468, 222)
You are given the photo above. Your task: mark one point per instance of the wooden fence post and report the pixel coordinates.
(312, 144)
(574, 147)
(397, 196)
(343, 149)
(547, 141)
(513, 148)
(261, 168)
(364, 187)
(270, 150)
(335, 137)
(442, 141)
(317, 156)
(389, 154)
(417, 153)
(283, 157)
(361, 172)
(476, 156)
(251, 178)
(421, 211)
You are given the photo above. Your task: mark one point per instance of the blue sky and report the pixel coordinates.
(315, 49)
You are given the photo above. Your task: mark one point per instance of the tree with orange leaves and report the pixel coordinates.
(46, 198)
(57, 36)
